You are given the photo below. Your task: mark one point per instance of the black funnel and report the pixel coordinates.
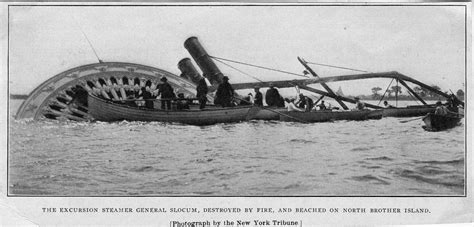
(188, 71)
(205, 63)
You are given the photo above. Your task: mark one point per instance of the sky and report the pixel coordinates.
(423, 42)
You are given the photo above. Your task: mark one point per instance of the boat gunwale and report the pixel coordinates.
(168, 111)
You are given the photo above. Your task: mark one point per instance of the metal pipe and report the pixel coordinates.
(205, 63)
(188, 71)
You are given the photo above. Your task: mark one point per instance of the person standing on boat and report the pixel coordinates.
(146, 95)
(201, 93)
(305, 102)
(258, 99)
(224, 93)
(273, 97)
(291, 106)
(166, 92)
(359, 105)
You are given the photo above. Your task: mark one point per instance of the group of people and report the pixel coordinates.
(450, 108)
(306, 104)
(167, 95)
(164, 90)
(133, 95)
(225, 98)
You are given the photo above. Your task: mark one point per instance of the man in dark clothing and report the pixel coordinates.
(224, 93)
(166, 92)
(305, 103)
(182, 103)
(147, 97)
(201, 93)
(273, 97)
(258, 100)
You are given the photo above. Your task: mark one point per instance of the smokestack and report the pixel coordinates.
(205, 63)
(188, 71)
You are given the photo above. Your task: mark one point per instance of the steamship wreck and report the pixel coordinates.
(73, 94)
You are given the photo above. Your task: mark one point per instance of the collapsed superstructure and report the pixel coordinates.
(64, 96)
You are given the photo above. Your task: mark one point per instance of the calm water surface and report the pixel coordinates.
(258, 158)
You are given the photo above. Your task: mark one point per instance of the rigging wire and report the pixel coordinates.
(339, 67)
(238, 70)
(257, 66)
(396, 94)
(90, 44)
(385, 91)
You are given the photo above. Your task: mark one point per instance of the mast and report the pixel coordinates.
(412, 92)
(396, 95)
(328, 89)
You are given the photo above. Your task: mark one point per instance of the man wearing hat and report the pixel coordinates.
(258, 100)
(224, 93)
(273, 97)
(166, 92)
(201, 93)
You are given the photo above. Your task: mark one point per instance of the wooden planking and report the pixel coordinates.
(407, 111)
(106, 111)
(322, 116)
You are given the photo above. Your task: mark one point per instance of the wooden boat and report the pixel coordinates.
(409, 111)
(105, 110)
(268, 113)
(328, 115)
(434, 122)
(375, 114)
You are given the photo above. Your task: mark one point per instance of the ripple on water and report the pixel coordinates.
(365, 148)
(371, 166)
(449, 180)
(292, 186)
(381, 158)
(142, 169)
(451, 162)
(274, 172)
(370, 178)
(303, 141)
(120, 158)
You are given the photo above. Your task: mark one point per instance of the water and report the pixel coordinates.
(257, 158)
